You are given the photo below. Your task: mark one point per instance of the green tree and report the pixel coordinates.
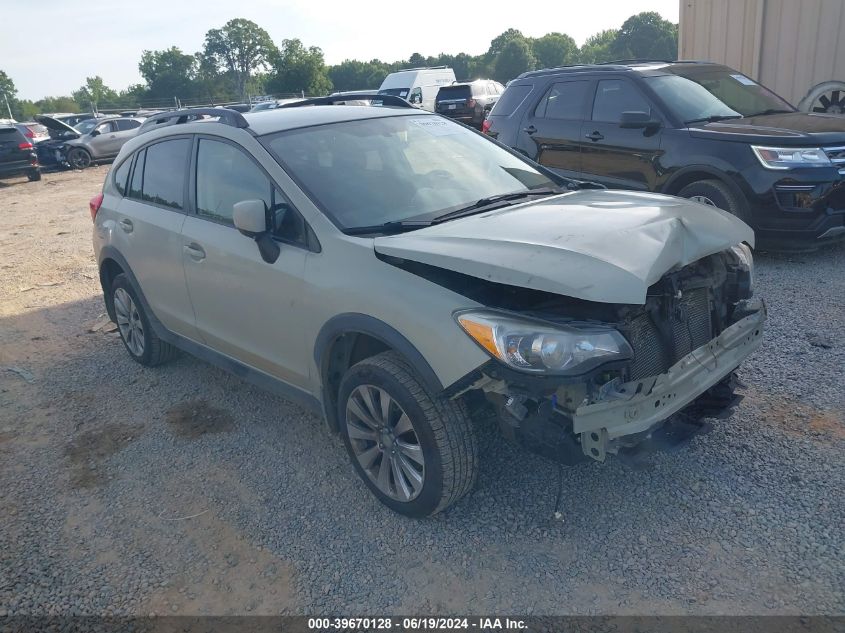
(498, 43)
(95, 94)
(297, 68)
(57, 104)
(597, 47)
(352, 74)
(9, 92)
(169, 73)
(646, 36)
(515, 58)
(554, 49)
(240, 48)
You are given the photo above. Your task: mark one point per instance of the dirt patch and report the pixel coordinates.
(798, 418)
(87, 452)
(194, 418)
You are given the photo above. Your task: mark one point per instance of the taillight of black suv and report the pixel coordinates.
(693, 129)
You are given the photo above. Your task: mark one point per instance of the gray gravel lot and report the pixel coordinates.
(185, 490)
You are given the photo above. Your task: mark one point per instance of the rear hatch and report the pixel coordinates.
(14, 148)
(455, 101)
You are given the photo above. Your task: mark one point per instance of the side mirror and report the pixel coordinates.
(95, 132)
(637, 121)
(250, 218)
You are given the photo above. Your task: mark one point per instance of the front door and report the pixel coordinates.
(106, 142)
(616, 157)
(246, 308)
(550, 131)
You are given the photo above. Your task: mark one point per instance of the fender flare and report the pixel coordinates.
(371, 326)
(715, 172)
(110, 252)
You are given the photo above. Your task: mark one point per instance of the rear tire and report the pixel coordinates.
(34, 175)
(141, 342)
(715, 193)
(426, 443)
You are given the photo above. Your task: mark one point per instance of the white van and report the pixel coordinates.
(418, 85)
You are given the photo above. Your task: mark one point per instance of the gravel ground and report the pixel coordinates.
(184, 490)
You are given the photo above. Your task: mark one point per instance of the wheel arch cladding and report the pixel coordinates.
(696, 173)
(112, 263)
(349, 338)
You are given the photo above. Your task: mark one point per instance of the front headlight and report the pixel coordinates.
(537, 347)
(743, 253)
(789, 157)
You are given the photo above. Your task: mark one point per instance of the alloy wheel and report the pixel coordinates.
(129, 322)
(385, 443)
(79, 159)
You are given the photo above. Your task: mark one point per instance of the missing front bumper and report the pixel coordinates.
(639, 406)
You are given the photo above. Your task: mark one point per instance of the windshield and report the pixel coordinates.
(83, 127)
(701, 94)
(396, 92)
(373, 171)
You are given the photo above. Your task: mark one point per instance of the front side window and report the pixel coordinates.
(564, 100)
(615, 96)
(368, 172)
(106, 128)
(225, 176)
(162, 168)
(416, 96)
(127, 124)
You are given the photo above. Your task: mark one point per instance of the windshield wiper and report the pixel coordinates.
(484, 203)
(399, 226)
(770, 111)
(713, 118)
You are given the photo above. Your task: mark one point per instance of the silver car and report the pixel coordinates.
(401, 274)
(88, 141)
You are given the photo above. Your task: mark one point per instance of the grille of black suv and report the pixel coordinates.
(691, 327)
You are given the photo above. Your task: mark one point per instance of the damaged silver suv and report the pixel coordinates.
(401, 274)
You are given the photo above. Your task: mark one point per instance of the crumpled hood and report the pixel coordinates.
(606, 246)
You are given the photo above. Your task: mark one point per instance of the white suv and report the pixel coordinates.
(396, 270)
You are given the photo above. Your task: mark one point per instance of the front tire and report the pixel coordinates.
(415, 451)
(141, 342)
(78, 158)
(715, 193)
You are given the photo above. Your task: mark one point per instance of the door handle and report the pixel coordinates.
(194, 251)
(594, 136)
(126, 225)
(529, 130)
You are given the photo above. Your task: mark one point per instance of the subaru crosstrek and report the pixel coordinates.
(400, 272)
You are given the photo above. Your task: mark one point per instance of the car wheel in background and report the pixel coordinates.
(34, 175)
(78, 158)
(416, 452)
(715, 193)
(142, 343)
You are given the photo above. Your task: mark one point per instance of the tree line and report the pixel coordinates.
(240, 60)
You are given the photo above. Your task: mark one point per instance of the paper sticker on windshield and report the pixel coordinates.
(436, 126)
(744, 80)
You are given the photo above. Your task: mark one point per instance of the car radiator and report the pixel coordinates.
(690, 326)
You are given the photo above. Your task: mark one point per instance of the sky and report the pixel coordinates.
(74, 39)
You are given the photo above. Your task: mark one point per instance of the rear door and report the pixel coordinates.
(148, 228)
(126, 129)
(550, 131)
(245, 307)
(616, 157)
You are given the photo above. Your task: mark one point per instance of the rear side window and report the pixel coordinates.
(564, 100)
(121, 176)
(511, 99)
(162, 169)
(615, 96)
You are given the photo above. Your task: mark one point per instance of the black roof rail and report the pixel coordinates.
(337, 99)
(225, 115)
(572, 67)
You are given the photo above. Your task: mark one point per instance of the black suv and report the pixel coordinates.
(468, 102)
(17, 156)
(693, 129)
